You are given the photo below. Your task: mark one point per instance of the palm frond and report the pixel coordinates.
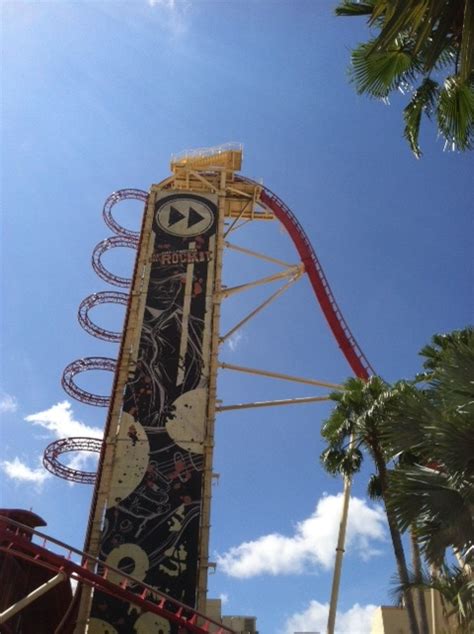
(416, 38)
(442, 33)
(422, 102)
(431, 25)
(466, 53)
(443, 513)
(456, 113)
(453, 380)
(440, 343)
(456, 588)
(331, 459)
(403, 425)
(453, 445)
(374, 487)
(446, 58)
(350, 9)
(379, 73)
(337, 427)
(335, 460)
(400, 16)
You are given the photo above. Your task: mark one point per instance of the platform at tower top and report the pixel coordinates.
(227, 156)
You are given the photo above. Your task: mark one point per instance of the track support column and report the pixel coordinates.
(211, 409)
(32, 596)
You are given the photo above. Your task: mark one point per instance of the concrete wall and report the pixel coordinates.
(394, 620)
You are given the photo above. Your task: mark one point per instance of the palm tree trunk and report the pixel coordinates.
(396, 542)
(420, 594)
(341, 540)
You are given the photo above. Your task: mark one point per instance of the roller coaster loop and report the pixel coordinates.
(104, 297)
(84, 365)
(68, 445)
(113, 199)
(112, 243)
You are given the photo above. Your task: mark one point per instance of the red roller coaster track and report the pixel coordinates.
(104, 297)
(68, 445)
(15, 541)
(345, 339)
(112, 243)
(113, 199)
(84, 365)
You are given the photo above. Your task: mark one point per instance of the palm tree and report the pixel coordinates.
(416, 562)
(354, 427)
(424, 48)
(436, 423)
(374, 491)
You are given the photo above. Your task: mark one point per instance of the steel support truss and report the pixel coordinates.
(292, 273)
(32, 596)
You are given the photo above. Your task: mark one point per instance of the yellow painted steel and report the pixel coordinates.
(204, 171)
(228, 157)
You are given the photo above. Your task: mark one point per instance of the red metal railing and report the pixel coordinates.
(15, 541)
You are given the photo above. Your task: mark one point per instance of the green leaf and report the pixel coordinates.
(374, 487)
(332, 459)
(378, 73)
(442, 33)
(441, 509)
(442, 343)
(466, 54)
(423, 101)
(456, 113)
(415, 38)
(400, 16)
(349, 9)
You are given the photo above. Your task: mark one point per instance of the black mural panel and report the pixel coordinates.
(151, 528)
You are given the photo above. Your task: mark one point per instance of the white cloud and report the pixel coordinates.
(234, 340)
(8, 403)
(18, 470)
(174, 13)
(224, 598)
(168, 4)
(82, 461)
(357, 620)
(59, 419)
(313, 543)
(60, 422)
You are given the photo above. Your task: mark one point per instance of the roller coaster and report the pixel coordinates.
(172, 329)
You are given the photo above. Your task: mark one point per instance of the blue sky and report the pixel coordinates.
(96, 96)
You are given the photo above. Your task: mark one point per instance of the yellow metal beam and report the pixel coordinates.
(287, 401)
(279, 375)
(259, 308)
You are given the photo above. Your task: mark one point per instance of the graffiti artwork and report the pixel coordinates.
(151, 528)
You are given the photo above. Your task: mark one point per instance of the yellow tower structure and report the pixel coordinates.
(151, 507)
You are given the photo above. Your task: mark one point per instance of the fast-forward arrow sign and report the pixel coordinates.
(185, 217)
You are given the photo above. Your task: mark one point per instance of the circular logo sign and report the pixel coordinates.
(184, 217)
